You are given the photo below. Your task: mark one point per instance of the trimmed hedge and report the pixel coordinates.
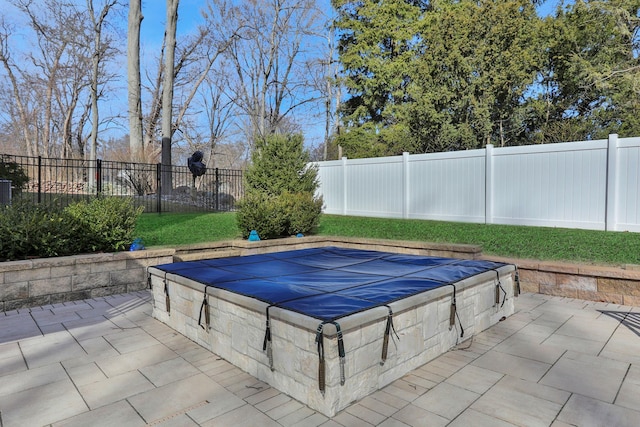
(39, 230)
(275, 216)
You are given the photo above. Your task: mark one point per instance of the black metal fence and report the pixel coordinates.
(63, 181)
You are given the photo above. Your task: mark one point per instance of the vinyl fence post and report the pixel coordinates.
(488, 185)
(344, 186)
(610, 215)
(406, 190)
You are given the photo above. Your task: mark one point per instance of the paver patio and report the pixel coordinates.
(107, 362)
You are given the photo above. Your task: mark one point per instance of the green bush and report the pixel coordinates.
(280, 190)
(277, 216)
(28, 230)
(12, 171)
(108, 222)
(260, 212)
(41, 230)
(302, 212)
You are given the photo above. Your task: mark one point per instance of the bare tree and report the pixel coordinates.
(51, 74)
(270, 56)
(52, 39)
(194, 58)
(19, 99)
(136, 144)
(167, 90)
(97, 22)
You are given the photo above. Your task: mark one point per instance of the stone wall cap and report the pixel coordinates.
(15, 265)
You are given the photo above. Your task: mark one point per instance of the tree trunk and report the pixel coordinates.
(167, 93)
(95, 63)
(134, 83)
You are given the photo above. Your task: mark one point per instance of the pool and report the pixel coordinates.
(330, 325)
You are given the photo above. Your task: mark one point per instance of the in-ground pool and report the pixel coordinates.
(330, 325)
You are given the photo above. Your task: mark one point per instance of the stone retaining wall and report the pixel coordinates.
(618, 285)
(43, 281)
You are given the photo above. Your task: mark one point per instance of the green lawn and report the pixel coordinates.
(170, 229)
(504, 240)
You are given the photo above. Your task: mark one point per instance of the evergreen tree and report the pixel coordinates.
(377, 43)
(589, 85)
(459, 74)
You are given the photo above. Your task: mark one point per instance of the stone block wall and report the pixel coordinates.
(618, 285)
(238, 328)
(43, 281)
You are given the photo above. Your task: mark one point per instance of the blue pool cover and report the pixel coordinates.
(329, 283)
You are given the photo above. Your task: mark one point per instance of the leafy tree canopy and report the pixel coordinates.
(460, 74)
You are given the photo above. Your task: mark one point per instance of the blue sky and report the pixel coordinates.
(189, 17)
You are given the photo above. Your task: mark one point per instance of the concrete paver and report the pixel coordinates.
(28, 407)
(629, 393)
(446, 400)
(521, 402)
(588, 375)
(106, 362)
(516, 366)
(585, 411)
(415, 416)
(119, 414)
(471, 417)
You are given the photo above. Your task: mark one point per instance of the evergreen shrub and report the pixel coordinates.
(14, 172)
(280, 190)
(108, 222)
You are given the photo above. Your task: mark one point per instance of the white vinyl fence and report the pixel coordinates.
(589, 184)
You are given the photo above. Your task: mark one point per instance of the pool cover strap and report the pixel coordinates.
(498, 289)
(321, 364)
(205, 307)
(167, 302)
(453, 313)
(321, 367)
(266, 345)
(387, 332)
(517, 282)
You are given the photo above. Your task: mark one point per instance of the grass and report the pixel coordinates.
(170, 229)
(544, 243)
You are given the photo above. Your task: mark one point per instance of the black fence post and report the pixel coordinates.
(98, 176)
(217, 187)
(39, 179)
(159, 187)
